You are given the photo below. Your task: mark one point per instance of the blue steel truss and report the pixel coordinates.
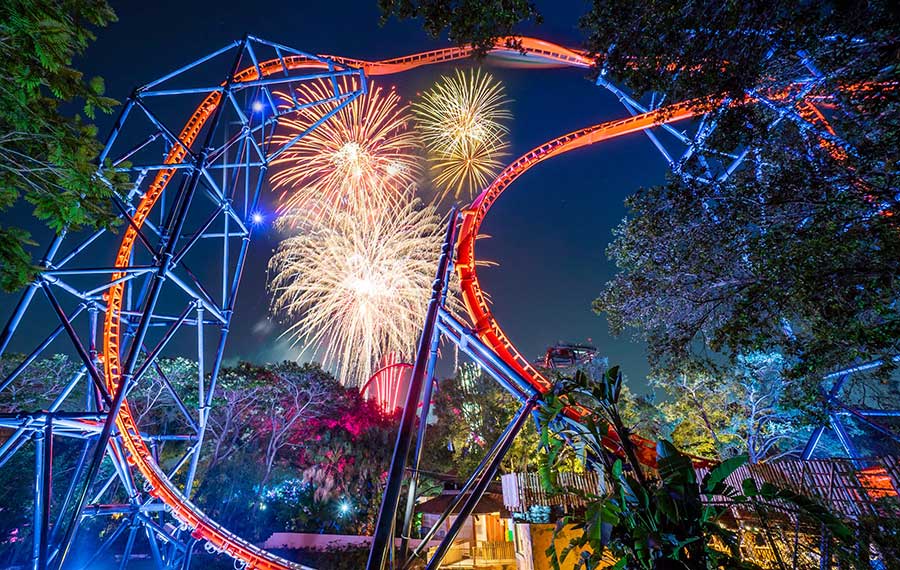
(182, 281)
(180, 284)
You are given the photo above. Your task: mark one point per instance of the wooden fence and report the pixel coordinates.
(845, 488)
(522, 491)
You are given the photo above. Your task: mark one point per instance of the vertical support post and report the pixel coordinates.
(820, 430)
(518, 421)
(825, 550)
(201, 402)
(849, 447)
(381, 541)
(406, 530)
(43, 465)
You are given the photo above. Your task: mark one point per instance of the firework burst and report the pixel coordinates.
(362, 154)
(461, 121)
(355, 287)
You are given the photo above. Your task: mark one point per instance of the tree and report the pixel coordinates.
(740, 409)
(762, 419)
(47, 156)
(38, 384)
(286, 446)
(476, 22)
(697, 412)
(294, 394)
(797, 251)
(667, 518)
(471, 412)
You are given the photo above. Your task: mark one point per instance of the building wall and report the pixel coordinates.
(532, 541)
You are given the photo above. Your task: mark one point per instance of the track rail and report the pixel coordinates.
(486, 326)
(139, 455)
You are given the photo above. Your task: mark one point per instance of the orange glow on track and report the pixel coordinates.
(388, 384)
(158, 484)
(544, 54)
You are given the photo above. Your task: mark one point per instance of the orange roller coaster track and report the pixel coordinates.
(487, 329)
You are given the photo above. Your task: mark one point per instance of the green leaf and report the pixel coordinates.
(749, 487)
(715, 479)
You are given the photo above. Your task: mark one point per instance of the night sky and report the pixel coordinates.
(549, 231)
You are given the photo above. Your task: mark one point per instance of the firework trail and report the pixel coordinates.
(363, 155)
(355, 287)
(461, 121)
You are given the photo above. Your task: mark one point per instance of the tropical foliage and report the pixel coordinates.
(662, 519)
(471, 410)
(47, 152)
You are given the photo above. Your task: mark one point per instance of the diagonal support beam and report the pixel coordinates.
(381, 541)
(478, 491)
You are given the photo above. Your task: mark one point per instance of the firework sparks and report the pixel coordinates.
(461, 120)
(355, 287)
(361, 155)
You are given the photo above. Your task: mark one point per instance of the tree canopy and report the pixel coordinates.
(465, 21)
(48, 151)
(794, 247)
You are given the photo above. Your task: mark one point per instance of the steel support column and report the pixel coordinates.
(478, 491)
(382, 540)
(43, 492)
(406, 529)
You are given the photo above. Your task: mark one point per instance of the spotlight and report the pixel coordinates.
(345, 508)
(256, 218)
(258, 106)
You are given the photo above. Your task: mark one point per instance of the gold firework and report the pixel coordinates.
(461, 121)
(355, 287)
(362, 155)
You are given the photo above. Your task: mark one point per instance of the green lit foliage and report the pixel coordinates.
(471, 410)
(47, 154)
(654, 520)
(476, 22)
(39, 383)
(745, 408)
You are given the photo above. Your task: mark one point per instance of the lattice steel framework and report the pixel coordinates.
(188, 218)
(187, 221)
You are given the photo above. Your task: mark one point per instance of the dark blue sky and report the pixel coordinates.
(549, 231)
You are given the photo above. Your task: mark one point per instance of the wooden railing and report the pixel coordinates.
(522, 491)
(848, 490)
(481, 554)
(494, 551)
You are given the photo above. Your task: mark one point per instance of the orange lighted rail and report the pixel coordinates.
(158, 484)
(539, 51)
(486, 327)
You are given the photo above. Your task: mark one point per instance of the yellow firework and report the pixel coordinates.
(461, 121)
(363, 154)
(355, 287)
